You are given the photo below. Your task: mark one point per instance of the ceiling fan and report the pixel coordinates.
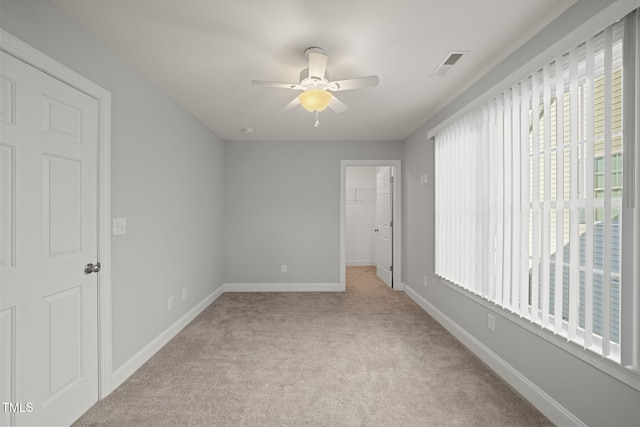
(317, 88)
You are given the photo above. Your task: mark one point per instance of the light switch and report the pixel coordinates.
(119, 226)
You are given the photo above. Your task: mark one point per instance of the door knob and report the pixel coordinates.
(91, 268)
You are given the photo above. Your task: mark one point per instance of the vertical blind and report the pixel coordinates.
(529, 196)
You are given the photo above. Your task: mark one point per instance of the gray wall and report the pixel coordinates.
(282, 206)
(591, 395)
(167, 180)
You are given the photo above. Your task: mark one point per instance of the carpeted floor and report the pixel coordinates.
(366, 357)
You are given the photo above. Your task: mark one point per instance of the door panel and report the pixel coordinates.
(61, 191)
(7, 193)
(60, 119)
(65, 335)
(7, 359)
(384, 234)
(48, 221)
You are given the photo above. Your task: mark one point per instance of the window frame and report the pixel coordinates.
(628, 373)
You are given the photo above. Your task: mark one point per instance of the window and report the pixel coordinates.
(529, 195)
(616, 177)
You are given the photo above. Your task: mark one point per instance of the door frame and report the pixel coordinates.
(28, 54)
(397, 217)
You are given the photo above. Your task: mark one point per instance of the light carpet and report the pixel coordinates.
(365, 357)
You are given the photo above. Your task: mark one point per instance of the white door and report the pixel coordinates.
(384, 226)
(48, 214)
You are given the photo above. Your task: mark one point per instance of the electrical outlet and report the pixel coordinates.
(184, 294)
(119, 226)
(284, 268)
(170, 303)
(491, 322)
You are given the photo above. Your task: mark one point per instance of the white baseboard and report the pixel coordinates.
(133, 364)
(282, 287)
(557, 413)
(360, 263)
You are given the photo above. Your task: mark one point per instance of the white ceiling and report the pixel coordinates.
(204, 54)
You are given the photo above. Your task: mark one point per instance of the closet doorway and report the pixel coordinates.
(370, 218)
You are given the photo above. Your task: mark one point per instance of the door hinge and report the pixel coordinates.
(390, 223)
(391, 180)
(391, 269)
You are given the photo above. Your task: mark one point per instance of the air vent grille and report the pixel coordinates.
(453, 58)
(449, 61)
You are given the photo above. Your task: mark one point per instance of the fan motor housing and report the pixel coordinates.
(306, 80)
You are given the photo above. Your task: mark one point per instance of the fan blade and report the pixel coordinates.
(290, 106)
(294, 86)
(317, 64)
(337, 105)
(356, 83)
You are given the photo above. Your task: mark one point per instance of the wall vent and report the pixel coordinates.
(449, 61)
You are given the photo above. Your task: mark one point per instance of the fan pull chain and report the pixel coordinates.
(317, 113)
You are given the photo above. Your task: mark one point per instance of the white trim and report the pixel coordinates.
(17, 48)
(282, 287)
(105, 348)
(553, 410)
(630, 297)
(616, 10)
(140, 358)
(360, 262)
(629, 375)
(397, 217)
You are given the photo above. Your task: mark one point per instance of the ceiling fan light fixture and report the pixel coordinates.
(316, 87)
(315, 100)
